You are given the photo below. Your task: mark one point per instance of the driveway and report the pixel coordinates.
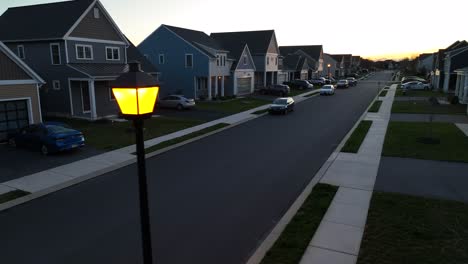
(19, 162)
(428, 178)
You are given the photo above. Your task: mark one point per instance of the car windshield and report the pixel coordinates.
(327, 87)
(58, 129)
(280, 101)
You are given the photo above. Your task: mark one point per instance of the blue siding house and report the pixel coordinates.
(190, 62)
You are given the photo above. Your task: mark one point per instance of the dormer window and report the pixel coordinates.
(97, 13)
(84, 52)
(217, 60)
(268, 60)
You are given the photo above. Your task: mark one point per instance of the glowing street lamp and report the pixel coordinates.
(136, 93)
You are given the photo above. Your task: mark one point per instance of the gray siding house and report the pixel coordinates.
(190, 62)
(76, 47)
(330, 65)
(314, 55)
(19, 93)
(265, 53)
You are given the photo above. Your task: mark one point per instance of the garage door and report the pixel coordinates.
(282, 78)
(13, 115)
(244, 85)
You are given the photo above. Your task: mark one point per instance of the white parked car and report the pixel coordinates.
(327, 89)
(176, 101)
(415, 85)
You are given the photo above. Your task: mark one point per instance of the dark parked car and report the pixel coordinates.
(47, 137)
(352, 81)
(330, 80)
(342, 84)
(300, 84)
(276, 89)
(281, 105)
(318, 81)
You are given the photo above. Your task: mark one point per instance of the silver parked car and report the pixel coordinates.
(416, 85)
(327, 89)
(176, 101)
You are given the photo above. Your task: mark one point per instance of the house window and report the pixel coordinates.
(111, 95)
(96, 13)
(268, 60)
(56, 84)
(188, 60)
(224, 60)
(112, 53)
(245, 59)
(276, 61)
(55, 54)
(84, 52)
(21, 54)
(162, 59)
(217, 60)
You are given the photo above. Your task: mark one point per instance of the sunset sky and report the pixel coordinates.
(374, 29)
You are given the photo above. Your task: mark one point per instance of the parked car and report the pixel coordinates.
(281, 105)
(412, 79)
(318, 81)
(176, 101)
(276, 89)
(342, 84)
(327, 89)
(330, 80)
(352, 81)
(300, 84)
(47, 137)
(415, 85)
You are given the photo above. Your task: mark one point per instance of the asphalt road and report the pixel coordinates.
(212, 201)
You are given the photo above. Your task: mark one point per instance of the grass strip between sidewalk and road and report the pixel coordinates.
(375, 107)
(419, 93)
(426, 107)
(383, 93)
(410, 229)
(354, 142)
(177, 140)
(6, 197)
(295, 238)
(403, 139)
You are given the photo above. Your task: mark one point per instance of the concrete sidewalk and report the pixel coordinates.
(338, 238)
(61, 177)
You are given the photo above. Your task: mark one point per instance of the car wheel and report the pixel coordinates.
(12, 142)
(44, 150)
(180, 107)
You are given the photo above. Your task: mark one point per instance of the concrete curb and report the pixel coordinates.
(94, 174)
(275, 233)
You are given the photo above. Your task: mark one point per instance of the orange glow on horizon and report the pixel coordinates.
(398, 56)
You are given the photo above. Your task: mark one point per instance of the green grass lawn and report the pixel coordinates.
(409, 229)
(419, 93)
(293, 242)
(12, 195)
(375, 106)
(110, 136)
(403, 140)
(425, 107)
(186, 137)
(383, 93)
(232, 106)
(356, 139)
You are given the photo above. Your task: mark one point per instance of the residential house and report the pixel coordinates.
(461, 87)
(242, 67)
(438, 73)
(314, 55)
(454, 59)
(264, 50)
(191, 62)
(296, 66)
(330, 65)
(19, 93)
(355, 63)
(425, 63)
(76, 47)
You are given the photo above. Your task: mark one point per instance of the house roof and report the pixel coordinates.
(133, 54)
(293, 62)
(462, 70)
(10, 54)
(99, 70)
(43, 21)
(258, 41)
(235, 47)
(313, 51)
(197, 38)
(347, 59)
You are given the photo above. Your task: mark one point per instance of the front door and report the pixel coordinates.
(86, 103)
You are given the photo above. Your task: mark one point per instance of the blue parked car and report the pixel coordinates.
(47, 137)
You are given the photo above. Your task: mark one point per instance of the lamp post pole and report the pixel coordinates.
(143, 192)
(328, 66)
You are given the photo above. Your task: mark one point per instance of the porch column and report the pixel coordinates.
(92, 99)
(195, 87)
(457, 84)
(264, 79)
(235, 84)
(216, 86)
(209, 87)
(222, 86)
(465, 87)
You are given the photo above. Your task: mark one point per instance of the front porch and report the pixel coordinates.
(461, 86)
(263, 79)
(211, 87)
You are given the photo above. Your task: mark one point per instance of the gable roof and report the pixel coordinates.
(258, 41)
(34, 76)
(313, 51)
(235, 47)
(197, 38)
(293, 62)
(133, 54)
(44, 21)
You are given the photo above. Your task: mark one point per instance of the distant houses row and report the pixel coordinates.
(447, 69)
(70, 51)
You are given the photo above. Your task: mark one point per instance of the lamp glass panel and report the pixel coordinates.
(146, 99)
(126, 98)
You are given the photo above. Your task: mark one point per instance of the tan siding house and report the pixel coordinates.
(19, 93)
